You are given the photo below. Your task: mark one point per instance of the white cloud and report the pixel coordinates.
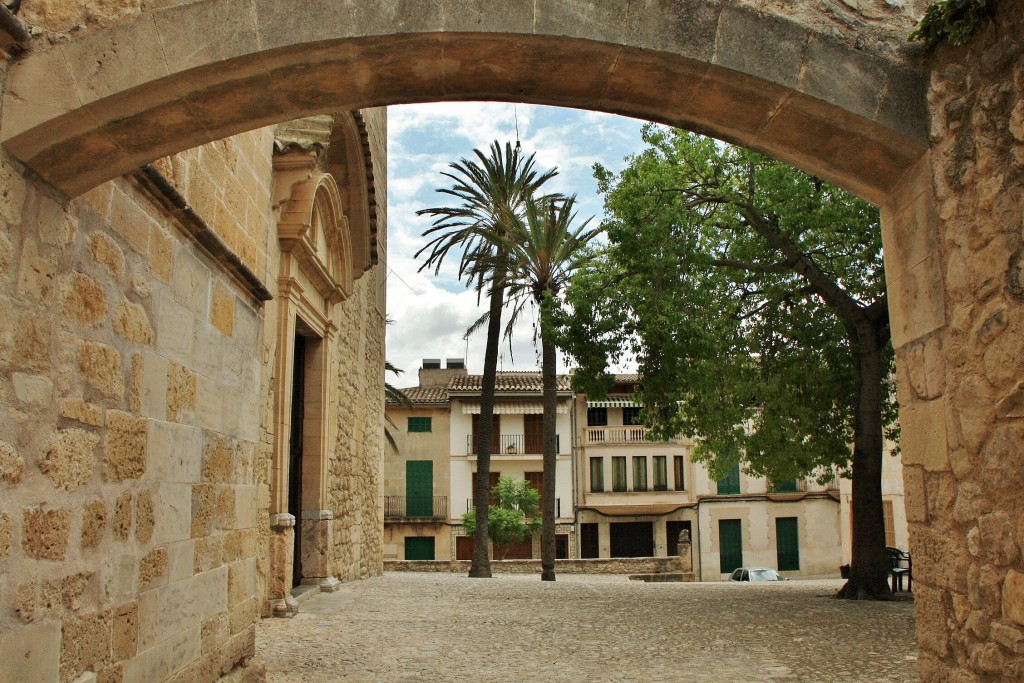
(431, 313)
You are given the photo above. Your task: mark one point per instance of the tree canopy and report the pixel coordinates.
(514, 519)
(752, 298)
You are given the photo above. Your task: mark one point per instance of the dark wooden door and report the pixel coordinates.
(495, 433)
(463, 547)
(730, 542)
(632, 539)
(589, 544)
(295, 454)
(533, 433)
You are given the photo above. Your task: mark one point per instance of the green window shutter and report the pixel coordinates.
(784, 486)
(618, 473)
(787, 543)
(730, 542)
(419, 488)
(639, 472)
(419, 547)
(597, 475)
(419, 424)
(731, 483)
(660, 473)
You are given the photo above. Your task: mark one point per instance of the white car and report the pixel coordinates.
(756, 574)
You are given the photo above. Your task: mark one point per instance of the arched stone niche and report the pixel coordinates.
(314, 276)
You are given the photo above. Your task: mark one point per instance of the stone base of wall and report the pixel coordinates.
(615, 565)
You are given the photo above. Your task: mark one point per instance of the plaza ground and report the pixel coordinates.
(447, 627)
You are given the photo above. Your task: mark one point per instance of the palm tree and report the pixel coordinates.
(394, 395)
(544, 251)
(490, 192)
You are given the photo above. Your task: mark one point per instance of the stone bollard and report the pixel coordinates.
(685, 557)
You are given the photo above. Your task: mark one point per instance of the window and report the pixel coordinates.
(660, 473)
(730, 545)
(731, 483)
(787, 544)
(597, 475)
(536, 482)
(495, 434)
(419, 488)
(618, 473)
(679, 470)
(890, 525)
(639, 473)
(631, 416)
(597, 417)
(533, 428)
(784, 486)
(419, 424)
(419, 547)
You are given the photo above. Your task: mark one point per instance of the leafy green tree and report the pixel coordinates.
(752, 297)
(545, 248)
(488, 194)
(513, 520)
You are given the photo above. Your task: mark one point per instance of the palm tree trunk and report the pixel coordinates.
(480, 567)
(549, 360)
(869, 567)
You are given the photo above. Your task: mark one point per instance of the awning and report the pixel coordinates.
(637, 510)
(613, 403)
(513, 407)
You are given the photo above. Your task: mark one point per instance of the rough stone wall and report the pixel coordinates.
(962, 386)
(128, 437)
(617, 565)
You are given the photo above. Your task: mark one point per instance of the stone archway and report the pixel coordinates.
(852, 110)
(110, 102)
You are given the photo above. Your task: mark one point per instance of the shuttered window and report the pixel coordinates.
(730, 542)
(890, 525)
(419, 424)
(419, 488)
(597, 475)
(660, 473)
(618, 473)
(731, 483)
(679, 470)
(787, 544)
(639, 473)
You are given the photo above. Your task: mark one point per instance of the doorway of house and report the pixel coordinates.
(295, 453)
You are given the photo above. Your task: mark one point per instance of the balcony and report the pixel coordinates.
(620, 434)
(494, 501)
(415, 507)
(514, 444)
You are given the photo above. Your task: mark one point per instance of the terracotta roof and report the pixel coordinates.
(507, 381)
(425, 395)
(627, 379)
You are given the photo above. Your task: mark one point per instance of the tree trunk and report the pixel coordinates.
(870, 566)
(549, 359)
(480, 567)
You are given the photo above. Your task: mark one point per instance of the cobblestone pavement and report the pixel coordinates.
(447, 627)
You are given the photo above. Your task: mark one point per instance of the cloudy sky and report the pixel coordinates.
(431, 313)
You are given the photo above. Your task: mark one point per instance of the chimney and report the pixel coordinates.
(433, 375)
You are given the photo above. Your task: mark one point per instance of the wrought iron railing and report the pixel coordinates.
(514, 444)
(415, 506)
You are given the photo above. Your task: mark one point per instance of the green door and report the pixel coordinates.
(787, 544)
(730, 541)
(419, 488)
(419, 547)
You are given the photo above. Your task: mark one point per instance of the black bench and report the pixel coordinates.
(900, 566)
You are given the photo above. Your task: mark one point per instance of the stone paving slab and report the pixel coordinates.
(445, 627)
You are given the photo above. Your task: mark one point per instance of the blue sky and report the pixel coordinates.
(432, 313)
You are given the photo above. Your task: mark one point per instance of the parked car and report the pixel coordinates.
(756, 574)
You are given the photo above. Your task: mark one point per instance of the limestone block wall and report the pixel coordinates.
(129, 437)
(136, 422)
(959, 343)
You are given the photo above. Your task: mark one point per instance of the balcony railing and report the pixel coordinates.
(514, 444)
(397, 507)
(619, 434)
(558, 506)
